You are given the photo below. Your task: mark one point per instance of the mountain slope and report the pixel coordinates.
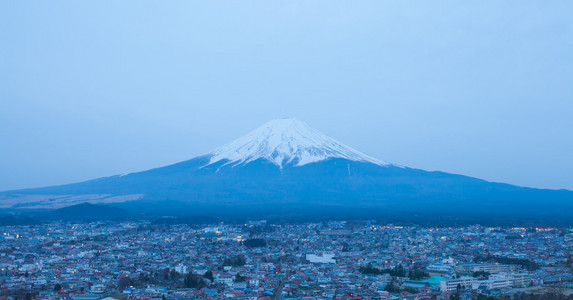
(285, 167)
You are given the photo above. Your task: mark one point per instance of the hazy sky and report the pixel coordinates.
(97, 88)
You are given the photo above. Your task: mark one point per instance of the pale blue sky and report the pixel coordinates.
(96, 88)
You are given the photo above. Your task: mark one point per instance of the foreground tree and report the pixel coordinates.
(194, 281)
(209, 275)
(123, 283)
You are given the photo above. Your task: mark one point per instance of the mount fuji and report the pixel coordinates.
(287, 167)
(286, 142)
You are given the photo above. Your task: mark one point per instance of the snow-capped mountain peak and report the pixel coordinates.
(286, 141)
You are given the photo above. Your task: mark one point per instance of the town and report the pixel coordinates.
(263, 260)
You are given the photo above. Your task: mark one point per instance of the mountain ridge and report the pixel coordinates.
(268, 171)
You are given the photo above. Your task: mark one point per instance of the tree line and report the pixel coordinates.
(526, 263)
(398, 271)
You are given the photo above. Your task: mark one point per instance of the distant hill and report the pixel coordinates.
(17, 220)
(87, 212)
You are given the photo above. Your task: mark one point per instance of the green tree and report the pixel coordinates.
(174, 275)
(418, 274)
(481, 274)
(391, 288)
(57, 287)
(253, 243)
(235, 261)
(209, 275)
(123, 283)
(194, 281)
(239, 278)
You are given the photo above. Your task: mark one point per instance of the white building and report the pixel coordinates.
(521, 279)
(452, 284)
(325, 258)
(181, 269)
(490, 268)
(39, 282)
(494, 282)
(439, 268)
(253, 283)
(225, 279)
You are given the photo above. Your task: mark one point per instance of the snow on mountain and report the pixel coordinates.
(287, 141)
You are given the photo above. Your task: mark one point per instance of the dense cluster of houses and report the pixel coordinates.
(331, 260)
